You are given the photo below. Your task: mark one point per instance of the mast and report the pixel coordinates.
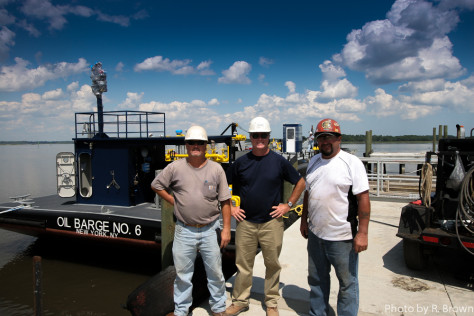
(99, 86)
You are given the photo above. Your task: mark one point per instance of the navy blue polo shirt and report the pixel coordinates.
(258, 180)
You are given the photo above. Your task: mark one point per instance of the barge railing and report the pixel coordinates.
(120, 124)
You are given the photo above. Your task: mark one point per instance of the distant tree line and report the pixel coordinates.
(345, 138)
(386, 139)
(26, 142)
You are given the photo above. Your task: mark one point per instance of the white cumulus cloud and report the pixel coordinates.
(265, 62)
(181, 115)
(6, 42)
(410, 44)
(56, 15)
(237, 73)
(176, 66)
(132, 101)
(39, 115)
(19, 77)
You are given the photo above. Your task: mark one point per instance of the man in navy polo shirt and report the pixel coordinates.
(257, 178)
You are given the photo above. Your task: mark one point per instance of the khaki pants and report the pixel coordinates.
(248, 236)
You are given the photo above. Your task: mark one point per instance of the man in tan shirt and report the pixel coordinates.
(198, 187)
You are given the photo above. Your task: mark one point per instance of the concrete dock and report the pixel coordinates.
(387, 286)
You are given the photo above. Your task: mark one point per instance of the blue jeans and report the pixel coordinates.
(341, 255)
(187, 242)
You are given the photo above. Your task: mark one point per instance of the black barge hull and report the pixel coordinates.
(51, 215)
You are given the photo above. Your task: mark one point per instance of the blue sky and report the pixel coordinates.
(394, 67)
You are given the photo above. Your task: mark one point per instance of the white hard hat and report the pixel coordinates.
(196, 133)
(259, 125)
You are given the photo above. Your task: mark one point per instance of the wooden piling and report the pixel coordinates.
(368, 150)
(445, 131)
(167, 230)
(434, 139)
(368, 143)
(38, 286)
(287, 186)
(167, 234)
(401, 168)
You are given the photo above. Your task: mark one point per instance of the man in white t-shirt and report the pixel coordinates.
(335, 220)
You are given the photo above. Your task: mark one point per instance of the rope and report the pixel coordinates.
(465, 211)
(426, 183)
(13, 209)
(238, 126)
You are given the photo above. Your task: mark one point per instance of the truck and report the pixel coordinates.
(445, 218)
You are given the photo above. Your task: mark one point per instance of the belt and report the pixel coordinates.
(196, 225)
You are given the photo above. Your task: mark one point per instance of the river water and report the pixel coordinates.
(77, 279)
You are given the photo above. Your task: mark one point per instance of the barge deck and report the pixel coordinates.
(138, 225)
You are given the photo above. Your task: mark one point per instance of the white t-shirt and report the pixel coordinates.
(328, 182)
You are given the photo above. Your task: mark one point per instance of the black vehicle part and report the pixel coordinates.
(413, 251)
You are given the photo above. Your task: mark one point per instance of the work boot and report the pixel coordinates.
(234, 310)
(272, 311)
(170, 314)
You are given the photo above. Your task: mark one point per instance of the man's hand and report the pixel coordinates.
(237, 213)
(280, 210)
(225, 237)
(361, 239)
(360, 242)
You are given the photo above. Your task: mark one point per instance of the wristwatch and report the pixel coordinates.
(290, 204)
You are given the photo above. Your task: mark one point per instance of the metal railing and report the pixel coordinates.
(121, 124)
(405, 183)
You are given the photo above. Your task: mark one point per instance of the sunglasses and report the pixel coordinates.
(326, 137)
(195, 142)
(259, 135)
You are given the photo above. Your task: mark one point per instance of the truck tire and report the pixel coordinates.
(414, 256)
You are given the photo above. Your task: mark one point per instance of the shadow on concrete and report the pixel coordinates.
(295, 298)
(447, 266)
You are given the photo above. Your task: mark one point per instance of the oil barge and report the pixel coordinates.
(103, 188)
